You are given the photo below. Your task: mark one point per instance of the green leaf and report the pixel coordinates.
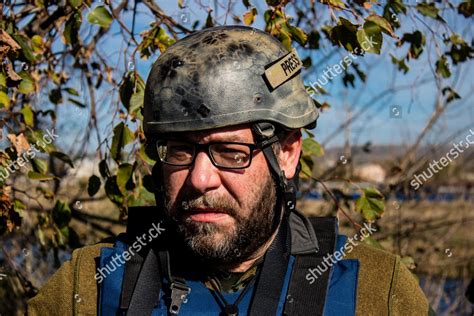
(359, 72)
(71, 29)
(382, 23)
(37, 137)
(402, 66)
(28, 115)
(313, 39)
(46, 192)
(122, 136)
(409, 262)
(41, 236)
(348, 24)
(37, 44)
(299, 35)
(75, 3)
(38, 176)
(209, 21)
(307, 62)
(19, 208)
(460, 53)
(345, 35)
(27, 84)
(3, 79)
(308, 132)
(39, 166)
(55, 96)
(93, 185)
(24, 43)
(75, 102)
(71, 91)
(348, 79)
(61, 214)
(371, 204)
(417, 40)
(267, 16)
(124, 176)
(442, 67)
(456, 39)
(466, 8)
(370, 38)
(132, 92)
(312, 147)
(285, 39)
(100, 16)
(147, 154)
(63, 157)
(112, 191)
(306, 166)
(142, 198)
(451, 94)
(428, 9)
(104, 169)
(4, 100)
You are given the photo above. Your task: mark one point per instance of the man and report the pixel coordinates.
(224, 108)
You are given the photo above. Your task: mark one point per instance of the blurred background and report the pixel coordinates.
(394, 142)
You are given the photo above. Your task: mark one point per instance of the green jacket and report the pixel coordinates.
(385, 286)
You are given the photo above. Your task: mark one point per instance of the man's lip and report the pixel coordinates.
(209, 217)
(207, 214)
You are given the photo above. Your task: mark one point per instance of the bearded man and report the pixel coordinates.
(224, 108)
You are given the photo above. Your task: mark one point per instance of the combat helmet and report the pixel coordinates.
(223, 76)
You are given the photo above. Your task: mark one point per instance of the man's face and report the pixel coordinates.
(224, 215)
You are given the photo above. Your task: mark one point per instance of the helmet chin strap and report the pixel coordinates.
(266, 136)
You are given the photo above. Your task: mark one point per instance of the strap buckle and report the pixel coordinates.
(264, 129)
(179, 292)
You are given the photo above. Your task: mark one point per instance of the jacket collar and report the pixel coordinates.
(303, 238)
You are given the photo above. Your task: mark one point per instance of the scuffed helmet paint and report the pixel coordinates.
(213, 78)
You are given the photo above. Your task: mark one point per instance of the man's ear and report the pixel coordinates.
(290, 153)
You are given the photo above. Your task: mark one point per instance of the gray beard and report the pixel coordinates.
(237, 244)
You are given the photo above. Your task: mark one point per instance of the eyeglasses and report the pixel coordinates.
(229, 155)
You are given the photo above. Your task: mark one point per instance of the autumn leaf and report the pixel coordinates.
(19, 142)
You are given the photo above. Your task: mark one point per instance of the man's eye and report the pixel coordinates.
(232, 154)
(232, 151)
(183, 149)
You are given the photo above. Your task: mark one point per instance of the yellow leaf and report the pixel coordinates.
(249, 17)
(4, 99)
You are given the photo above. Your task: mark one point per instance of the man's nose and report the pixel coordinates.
(203, 175)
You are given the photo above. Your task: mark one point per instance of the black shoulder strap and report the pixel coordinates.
(139, 219)
(272, 276)
(147, 290)
(305, 298)
(130, 276)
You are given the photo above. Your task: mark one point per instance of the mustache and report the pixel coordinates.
(219, 204)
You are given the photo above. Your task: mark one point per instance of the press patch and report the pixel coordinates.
(282, 70)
